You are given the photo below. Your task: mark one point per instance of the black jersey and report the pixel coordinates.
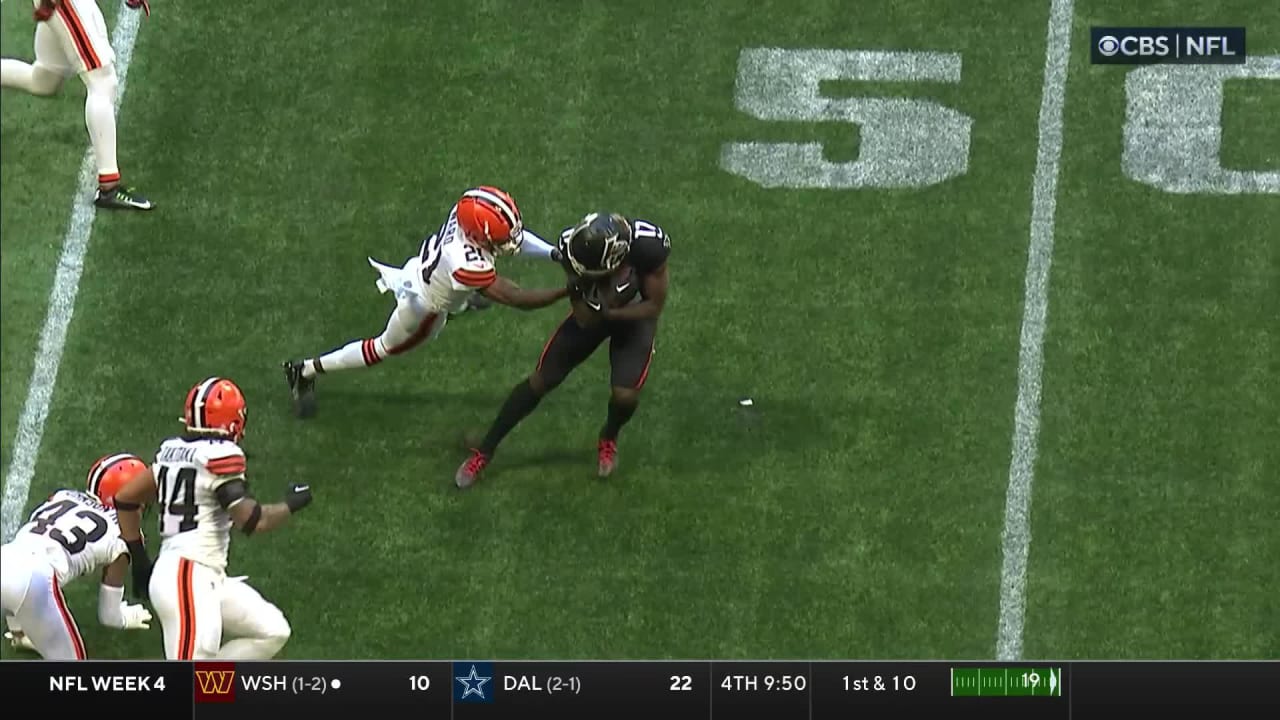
(650, 247)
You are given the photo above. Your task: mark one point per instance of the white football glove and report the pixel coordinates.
(136, 617)
(19, 641)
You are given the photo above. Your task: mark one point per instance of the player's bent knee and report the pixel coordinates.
(625, 396)
(102, 81)
(45, 81)
(278, 631)
(539, 384)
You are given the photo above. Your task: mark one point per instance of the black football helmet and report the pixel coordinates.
(598, 244)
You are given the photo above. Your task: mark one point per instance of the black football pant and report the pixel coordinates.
(630, 351)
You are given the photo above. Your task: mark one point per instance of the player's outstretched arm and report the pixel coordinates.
(129, 502)
(655, 297)
(113, 611)
(505, 292)
(251, 516)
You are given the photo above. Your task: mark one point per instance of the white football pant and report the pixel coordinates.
(34, 604)
(197, 605)
(73, 41)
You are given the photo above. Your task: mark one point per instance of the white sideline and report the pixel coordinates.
(62, 303)
(1016, 538)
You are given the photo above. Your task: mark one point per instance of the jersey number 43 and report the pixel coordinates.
(72, 535)
(177, 492)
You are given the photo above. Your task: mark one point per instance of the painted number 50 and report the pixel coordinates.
(1172, 130)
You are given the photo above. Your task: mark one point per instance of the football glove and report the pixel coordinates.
(19, 640)
(135, 4)
(298, 497)
(136, 617)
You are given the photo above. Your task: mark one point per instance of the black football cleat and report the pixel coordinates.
(607, 453)
(121, 198)
(470, 470)
(301, 388)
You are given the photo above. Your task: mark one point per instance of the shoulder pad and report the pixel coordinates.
(221, 457)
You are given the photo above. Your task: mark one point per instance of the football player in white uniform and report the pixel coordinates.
(71, 38)
(453, 265)
(198, 484)
(71, 534)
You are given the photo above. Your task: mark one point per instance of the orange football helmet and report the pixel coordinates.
(110, 473)
(215, 405)
(489, 217)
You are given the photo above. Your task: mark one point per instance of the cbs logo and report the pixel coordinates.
(1131, 45)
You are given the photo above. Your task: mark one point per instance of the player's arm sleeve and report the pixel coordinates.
(473, 276)
(110, 606)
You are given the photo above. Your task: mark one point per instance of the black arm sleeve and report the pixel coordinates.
(231, 492)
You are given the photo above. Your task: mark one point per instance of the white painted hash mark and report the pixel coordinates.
(62, 303)
(1016, 538)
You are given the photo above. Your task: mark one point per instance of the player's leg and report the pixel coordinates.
(186, 597)
(15, 578)
(408, 327)
(84, 33)
(630, 355)
(258, 627)
(45, 618)
(46, 75)
(569, 346)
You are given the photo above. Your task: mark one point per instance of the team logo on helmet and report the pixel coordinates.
(598, 244)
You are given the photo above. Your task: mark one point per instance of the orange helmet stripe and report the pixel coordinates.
(102, 467)
(508, 209)
(198, 400)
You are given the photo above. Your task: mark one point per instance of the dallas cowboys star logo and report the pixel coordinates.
(473, 684)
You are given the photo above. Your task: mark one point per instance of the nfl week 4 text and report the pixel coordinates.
(106, 683)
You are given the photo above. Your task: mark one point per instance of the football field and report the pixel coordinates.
(1009, 322)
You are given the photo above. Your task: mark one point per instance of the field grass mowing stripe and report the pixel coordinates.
(62, 304)
(1016, 539)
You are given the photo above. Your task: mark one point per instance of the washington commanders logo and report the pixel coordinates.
(215, 682)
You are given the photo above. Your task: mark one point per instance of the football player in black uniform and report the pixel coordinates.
(617, 274)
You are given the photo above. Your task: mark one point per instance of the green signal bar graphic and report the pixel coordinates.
(1006, 682)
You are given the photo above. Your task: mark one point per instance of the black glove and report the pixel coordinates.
(140, 564)
(556, 255)
(135, 4)
(298, 497)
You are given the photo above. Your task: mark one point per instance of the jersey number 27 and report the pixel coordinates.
(177, 491)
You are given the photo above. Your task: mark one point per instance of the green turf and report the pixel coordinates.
(854, 510)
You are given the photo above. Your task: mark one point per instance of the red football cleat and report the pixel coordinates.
(469, 472)
(607, 451)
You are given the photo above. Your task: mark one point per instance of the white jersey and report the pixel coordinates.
(451, 269)
(193, 521)
(75, 531)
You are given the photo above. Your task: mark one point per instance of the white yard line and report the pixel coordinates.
(62, 303)
(1016, 539)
